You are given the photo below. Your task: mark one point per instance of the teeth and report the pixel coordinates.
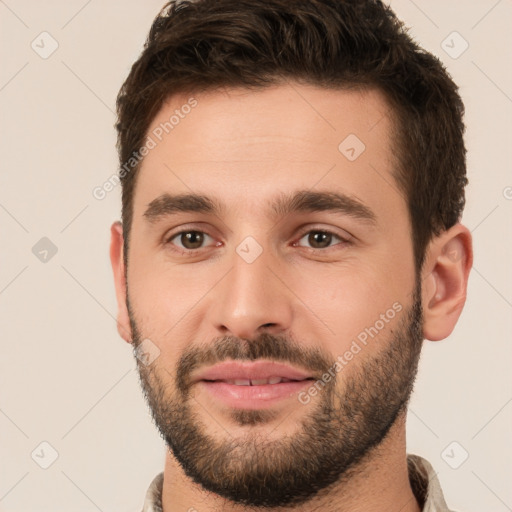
(261, 382)
(257, 382)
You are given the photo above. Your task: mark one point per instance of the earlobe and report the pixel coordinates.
(118, 268)
(445, 278)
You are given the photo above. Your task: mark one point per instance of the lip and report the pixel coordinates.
(261, 396)
(233, 370)
(252, 397)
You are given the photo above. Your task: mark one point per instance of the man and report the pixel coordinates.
(293, 181)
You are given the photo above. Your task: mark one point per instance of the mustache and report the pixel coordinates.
(266, 347)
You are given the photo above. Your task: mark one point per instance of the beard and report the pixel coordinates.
(332, 439)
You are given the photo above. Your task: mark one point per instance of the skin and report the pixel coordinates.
(242, 148)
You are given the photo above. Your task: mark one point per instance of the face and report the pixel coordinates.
(271, 270)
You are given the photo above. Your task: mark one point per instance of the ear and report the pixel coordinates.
(445, 278)
(118, 267)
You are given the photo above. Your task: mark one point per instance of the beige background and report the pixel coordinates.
(66, 378)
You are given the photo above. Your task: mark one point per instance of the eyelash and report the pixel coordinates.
(193, 252)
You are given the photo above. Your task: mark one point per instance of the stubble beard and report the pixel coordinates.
(335, 434)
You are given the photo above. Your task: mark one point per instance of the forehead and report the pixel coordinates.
(242, 146)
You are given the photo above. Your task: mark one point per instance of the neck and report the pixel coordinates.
(379, 482)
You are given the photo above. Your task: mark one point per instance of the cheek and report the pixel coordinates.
(340, 300)
(165, 297)
(349, 301)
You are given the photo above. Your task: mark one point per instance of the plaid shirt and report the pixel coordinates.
(424, 483)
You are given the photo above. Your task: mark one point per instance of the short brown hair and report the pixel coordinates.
(207, 44)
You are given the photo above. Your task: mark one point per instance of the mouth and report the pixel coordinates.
(252, 385)
(258, 382)
(254, 373)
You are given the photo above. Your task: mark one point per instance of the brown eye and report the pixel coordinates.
(192, 239)
(318, 239)
(188, 240)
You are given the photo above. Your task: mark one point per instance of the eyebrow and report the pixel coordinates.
(284, 204)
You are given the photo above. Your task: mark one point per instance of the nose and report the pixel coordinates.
(252, 298)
